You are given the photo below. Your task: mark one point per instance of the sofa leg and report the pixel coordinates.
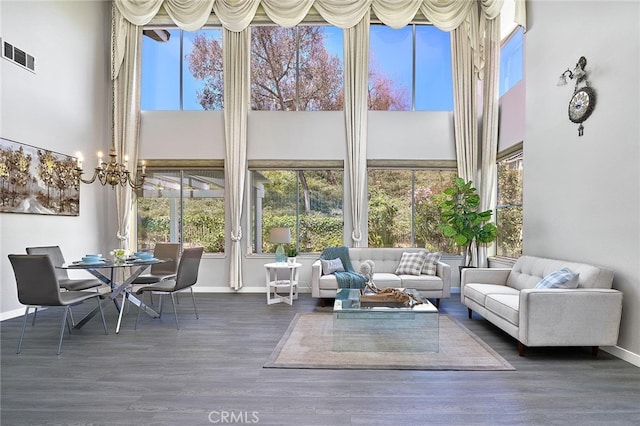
(470, 312)
(594, 351)
(521, 349)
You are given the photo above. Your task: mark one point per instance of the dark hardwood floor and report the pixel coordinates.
(210, 372)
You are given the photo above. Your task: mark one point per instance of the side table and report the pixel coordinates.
(273, 283)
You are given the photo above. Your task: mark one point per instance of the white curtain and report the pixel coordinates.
(236, 59)
(356, 84)
(489, 138)
(125, 76)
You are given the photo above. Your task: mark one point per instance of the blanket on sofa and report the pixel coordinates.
(349, 278)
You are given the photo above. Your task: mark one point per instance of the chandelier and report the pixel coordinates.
(111, 172)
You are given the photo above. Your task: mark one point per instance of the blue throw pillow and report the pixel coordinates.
(562, 278)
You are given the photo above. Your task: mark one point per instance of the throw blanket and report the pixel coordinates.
(349, 278)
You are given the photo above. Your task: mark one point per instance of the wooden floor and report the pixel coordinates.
(210, 372)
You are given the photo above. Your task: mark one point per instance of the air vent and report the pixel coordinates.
(18, 56)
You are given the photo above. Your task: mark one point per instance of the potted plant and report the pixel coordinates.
(291, 255)
(462, 222)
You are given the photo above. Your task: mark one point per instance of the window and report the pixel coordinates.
(308, 202)
(410, 69)
(511, 55)
(509, 208)
(296, 69)
(182, 205)
(404, 208)
(182, 73)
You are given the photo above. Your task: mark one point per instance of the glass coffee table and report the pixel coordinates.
(383, 326)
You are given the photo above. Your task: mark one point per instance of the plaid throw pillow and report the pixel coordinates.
(411, 263)
(431, 263)
(562, 278)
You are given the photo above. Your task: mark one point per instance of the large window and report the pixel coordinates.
(182, 205)
(509, 207)
(181, 70)
(404, 208)
(410, 69)
(296, 69)
(308, 202)
(511, 61)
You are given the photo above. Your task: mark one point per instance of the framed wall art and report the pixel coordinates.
(37, 181)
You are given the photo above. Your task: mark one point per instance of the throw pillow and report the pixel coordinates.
(562, 278)
(331, 266)
(431, 263)
(411, 263)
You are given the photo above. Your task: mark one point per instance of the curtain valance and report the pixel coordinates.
(236, 15)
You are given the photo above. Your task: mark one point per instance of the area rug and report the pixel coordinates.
(308, 343)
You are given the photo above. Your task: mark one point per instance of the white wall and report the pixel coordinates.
(62, 108)
(582, 194)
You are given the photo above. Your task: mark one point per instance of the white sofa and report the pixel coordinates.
(386, 261)
(585, 316)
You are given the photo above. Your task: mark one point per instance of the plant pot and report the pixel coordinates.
(291, 260)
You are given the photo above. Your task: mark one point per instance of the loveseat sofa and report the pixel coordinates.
(386, 261)
(588, 315)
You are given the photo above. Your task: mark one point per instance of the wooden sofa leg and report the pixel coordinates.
(521, 349)
(594, 351)
(470, 312)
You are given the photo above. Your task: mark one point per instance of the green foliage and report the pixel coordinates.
(462, 222)
(383, 210)
(509, 215)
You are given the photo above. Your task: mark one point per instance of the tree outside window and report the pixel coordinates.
(509, 208)
(308, 202)
(403, 208)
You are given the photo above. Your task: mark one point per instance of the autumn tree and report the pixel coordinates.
(291, 69)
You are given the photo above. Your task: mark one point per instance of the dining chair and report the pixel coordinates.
(186, 277)
(70, 284)
(169, 252)
(38, 286)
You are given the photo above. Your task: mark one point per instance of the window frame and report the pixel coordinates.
(184, 167)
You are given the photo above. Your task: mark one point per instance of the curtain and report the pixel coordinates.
(356, 83)
(236, 74)
(125, 76)
(489, 137)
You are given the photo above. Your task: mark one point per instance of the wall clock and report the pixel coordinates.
(581, 106)
(583, 100)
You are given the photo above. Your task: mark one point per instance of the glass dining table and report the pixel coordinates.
(108, 272)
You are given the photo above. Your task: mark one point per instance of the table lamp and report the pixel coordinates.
(280, 236)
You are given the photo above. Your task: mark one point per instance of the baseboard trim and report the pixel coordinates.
(12, 314)
(623, 354)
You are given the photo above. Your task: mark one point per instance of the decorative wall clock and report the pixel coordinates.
(583, 101)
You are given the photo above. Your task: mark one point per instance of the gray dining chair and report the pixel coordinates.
(38, 286)
(186, 277)
(170, 253)
(70, 284)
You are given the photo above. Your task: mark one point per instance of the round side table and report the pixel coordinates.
(274, 284)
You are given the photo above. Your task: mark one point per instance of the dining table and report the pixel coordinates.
(109, 271)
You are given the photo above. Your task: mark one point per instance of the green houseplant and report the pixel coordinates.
(462, 222)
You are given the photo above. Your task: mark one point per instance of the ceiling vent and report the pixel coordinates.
(18, 56)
